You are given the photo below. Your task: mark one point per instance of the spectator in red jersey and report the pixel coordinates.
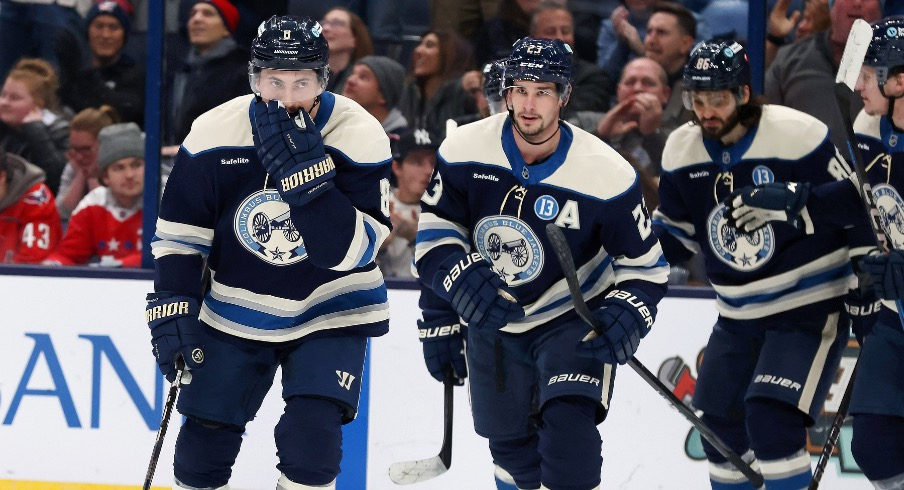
(105, 228)
(29, 222)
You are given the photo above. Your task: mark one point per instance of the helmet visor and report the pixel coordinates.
(286, 86)
(694, 99)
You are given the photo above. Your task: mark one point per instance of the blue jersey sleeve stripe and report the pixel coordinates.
(370, 250)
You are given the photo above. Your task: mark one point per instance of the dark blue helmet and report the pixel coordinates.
(290, 43)
(492, 79)
(540, 60)
(886, 49)
(717, 65)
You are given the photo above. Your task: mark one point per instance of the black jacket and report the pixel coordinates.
(206, 81)
(119, 84)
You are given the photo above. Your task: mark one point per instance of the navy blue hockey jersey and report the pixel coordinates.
(778, 267)
(484, 197)
(221, 208)
(882, 149)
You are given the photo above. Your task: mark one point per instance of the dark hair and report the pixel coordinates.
(686, 20)
(750, 113)
(510, 10)
(364, 45)
(455, 54)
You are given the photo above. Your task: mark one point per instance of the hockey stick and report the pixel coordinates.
(407, 472)
(834, 431)
(164, 423)
(566, 262)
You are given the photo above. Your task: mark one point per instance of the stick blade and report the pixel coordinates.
(408, 472)
(854, 52)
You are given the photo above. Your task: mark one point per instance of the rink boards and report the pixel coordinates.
(81, 398)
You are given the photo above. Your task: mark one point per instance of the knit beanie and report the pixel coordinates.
(227, 11)
(118, 141)
(390, 75)
(113, 9)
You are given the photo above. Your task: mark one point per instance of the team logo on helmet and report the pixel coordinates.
(263, 225)
(886, 48)
(741, 251)
(890, 206)
(511, 246)
(717, 65)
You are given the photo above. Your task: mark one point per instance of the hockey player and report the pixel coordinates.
(537, 390)
(282, 196)
(778, 340)
(877, 402)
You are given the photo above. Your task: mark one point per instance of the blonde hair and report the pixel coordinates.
(93, 119)
(40, 79)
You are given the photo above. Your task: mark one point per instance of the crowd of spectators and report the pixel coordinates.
(73, 69)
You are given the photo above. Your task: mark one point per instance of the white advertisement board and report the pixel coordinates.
(81, 399)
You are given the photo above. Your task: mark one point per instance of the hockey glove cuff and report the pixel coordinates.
(479, 296)
(625, 317)
(444, 345)
(292, 152)
(863, 308)
(886, 272)
(750, 208)
(175, 331)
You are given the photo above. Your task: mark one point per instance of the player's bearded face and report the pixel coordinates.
(536, 108)
(294, 88)
(716, 112)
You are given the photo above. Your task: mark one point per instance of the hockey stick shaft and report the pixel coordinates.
(834, 431)
(445, 451)
(566, 262)
(171, 396)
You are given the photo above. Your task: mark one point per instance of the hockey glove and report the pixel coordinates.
(750, 208)
(863, 308)
(479, 296)
(625, 318)
(292, 152)
(444, 346)
(175, 331)
(886, 272)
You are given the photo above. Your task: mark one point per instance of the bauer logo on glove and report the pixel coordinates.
(429, 333)
(458, 268)
(635, 302)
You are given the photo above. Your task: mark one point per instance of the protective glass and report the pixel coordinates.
(496, 104)
(286, 86)
(706, 99)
